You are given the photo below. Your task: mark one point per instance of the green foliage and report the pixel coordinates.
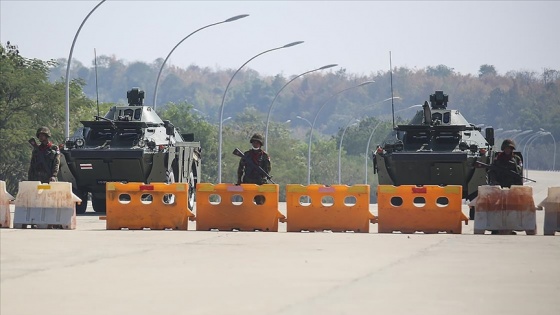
(181, 115)
(27, 101)
(514, 100)
(487, 70)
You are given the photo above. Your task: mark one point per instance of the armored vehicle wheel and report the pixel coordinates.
(81, 208)
(192, 191)
(98, 204)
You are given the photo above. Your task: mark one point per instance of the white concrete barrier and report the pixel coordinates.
(45, 206)
(505, 209)
(5, 197)
(551, 205)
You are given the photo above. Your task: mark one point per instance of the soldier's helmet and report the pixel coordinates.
(44, 130)
(508, 143)
(257, 137)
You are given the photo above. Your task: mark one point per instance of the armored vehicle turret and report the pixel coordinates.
(437, 147)
(131, 143)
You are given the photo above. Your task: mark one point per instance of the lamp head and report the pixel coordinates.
(292, 44)
(328, 66)
(237, 17)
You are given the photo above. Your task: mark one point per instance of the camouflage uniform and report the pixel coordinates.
(45, 160)
(508, 168)
(248, 171)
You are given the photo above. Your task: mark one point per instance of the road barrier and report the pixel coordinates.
(156, 206)
(336, 208)
(428, 209)
(504, 210)
(551, 205)
(245, 207)
(5, 198)
(45, 206)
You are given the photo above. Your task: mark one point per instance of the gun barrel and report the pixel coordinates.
(237, 152)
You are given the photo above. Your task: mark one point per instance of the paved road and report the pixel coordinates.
(94, 271)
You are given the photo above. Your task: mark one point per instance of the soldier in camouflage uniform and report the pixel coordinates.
(45, 158)
(248, 171)
(507, 168)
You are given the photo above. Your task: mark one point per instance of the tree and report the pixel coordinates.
(27, 101)
(439, 71)
(487, 70)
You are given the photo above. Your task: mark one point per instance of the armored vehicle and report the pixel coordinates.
(131, 143)
(437, 147)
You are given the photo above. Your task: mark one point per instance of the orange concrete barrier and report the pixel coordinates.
(504, 210)
(45, 206)
(337, 208)
(551, 205)
(245, 207)
(5, 198)
(156, 206)
(428, 209)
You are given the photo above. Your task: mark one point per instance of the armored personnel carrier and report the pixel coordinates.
(437, 147)
(131, 143)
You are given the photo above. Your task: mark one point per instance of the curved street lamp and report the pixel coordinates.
(509, 131)
(525, 136)
(371, 135)
(528, 144)
(274, 99)
(315, 120)
(224, 97)
(554, 157)
(67, 101)
(351, 122)
(231, 19)
(308, 122)
(521, 133)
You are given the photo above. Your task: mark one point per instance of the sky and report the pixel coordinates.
(359, 36)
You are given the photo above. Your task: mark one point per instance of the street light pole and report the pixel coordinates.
(367, 148)
(231, 19)
(528, 144)
(67, 98)
(315, 120)
(521, 133)
(276, 96)
(554, 156)
(224, 97)
(308, 122)
(352, 121)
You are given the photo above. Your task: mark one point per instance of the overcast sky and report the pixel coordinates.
(357, 35)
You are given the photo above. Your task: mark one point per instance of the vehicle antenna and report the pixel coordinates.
(96, 88)
(392, 98)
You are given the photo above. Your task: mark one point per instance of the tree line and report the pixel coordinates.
(32, 94)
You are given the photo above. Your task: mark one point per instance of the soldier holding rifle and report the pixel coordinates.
(507, 167)
(254, 166)
(45, 158)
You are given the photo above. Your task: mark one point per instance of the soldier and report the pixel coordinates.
(507, 168)
(45, 158)
(248, 171)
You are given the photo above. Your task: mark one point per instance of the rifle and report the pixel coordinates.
(240, 154)
(497, 167)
